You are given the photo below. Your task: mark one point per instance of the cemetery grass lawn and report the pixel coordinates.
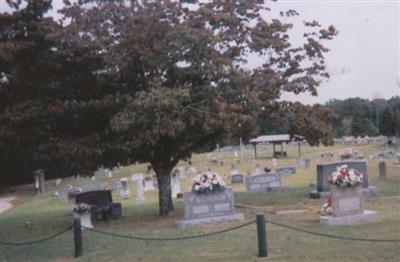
(34, 217)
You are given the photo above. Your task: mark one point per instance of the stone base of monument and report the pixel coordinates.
(209, 220)
(365, 217)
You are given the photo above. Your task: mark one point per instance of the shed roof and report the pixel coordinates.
(271, 138)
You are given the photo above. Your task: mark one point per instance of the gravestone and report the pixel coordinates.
(305, 162)
(138, 179)
(125, 193)
(347, 207)
(263, 183)
(40, 183)
(325, 170)
(148, 184)
(274, 162)
(180, 171)
(258, 170)
(235, 176)
(327, 156)
(155, 181)
(382, 170)
(214, 207)
(285, 171)
(102, 204)
(175, 186)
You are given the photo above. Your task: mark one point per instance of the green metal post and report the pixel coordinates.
(262, 235)
(78, 237)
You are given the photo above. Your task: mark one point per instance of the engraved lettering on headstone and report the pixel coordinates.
(349, 204)
(221, 207)
(200, 209)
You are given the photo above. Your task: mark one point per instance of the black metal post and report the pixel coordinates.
(78, 237)
(262, 235)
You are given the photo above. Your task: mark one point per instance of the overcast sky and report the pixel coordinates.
(364, 57)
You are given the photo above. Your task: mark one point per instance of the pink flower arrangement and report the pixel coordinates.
(207, 182)
(345, 177)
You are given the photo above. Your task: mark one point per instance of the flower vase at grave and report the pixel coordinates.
(86, 222)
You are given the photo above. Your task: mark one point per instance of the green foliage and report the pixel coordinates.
(361, 117)
(312, 122)
(147, 81)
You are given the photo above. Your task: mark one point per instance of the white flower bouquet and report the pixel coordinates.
(207, 182)
(345, 177)
(82, 208)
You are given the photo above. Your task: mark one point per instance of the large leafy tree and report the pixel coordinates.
(154, 80)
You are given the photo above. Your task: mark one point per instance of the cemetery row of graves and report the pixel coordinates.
(348, 191)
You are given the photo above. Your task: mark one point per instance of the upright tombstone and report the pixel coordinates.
(148, 184)
(325, 170)
(347, 207)
(40, 183)
(102, 204)
(307, 163)
(258, 170)
(175, 186)
(327, 156)
(138, 179)
(263, 183)
(125, 193)
(180, 171)
(382, 170)
(214, 207)
(274, 162)
(108, 173)
(285, 171)
(236, 177)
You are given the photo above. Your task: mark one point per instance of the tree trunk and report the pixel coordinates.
(166, 207)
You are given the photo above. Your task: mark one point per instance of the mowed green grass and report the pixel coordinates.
(36, 216)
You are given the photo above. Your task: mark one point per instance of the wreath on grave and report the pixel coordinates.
(207, 182)
(346, 177)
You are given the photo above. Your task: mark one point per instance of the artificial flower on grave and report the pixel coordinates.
(345, 155)
(82, 208)
(346, 177)
(326, 209)
(207, 182)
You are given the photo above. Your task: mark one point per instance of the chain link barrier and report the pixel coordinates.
(172, 238)
(6, 243)
(202, 235)
(329, 235)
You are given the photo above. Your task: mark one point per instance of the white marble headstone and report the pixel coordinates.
(138, 179)
(148, 185)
